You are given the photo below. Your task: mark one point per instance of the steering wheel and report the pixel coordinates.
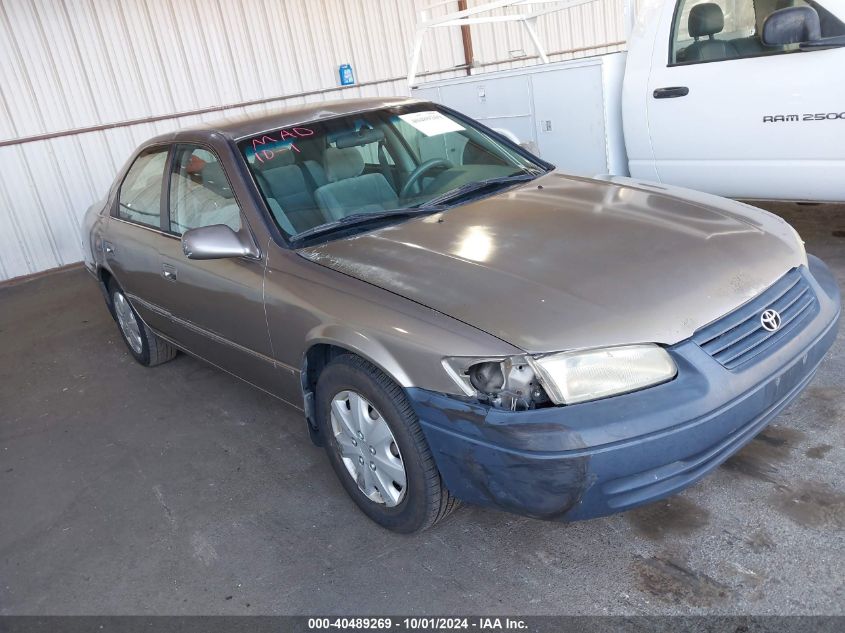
(421, 170)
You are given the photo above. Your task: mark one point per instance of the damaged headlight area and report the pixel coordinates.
(519, 383)
(506, 383)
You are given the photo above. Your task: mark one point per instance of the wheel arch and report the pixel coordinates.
(328, 344)
(105, 277)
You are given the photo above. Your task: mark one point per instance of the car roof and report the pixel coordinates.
(238, 127)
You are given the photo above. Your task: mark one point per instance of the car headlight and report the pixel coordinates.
(571, 377)
(506, 383)
(525, 382)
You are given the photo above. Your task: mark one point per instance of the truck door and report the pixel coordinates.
(730, 115)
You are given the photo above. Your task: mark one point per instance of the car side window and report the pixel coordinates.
(718, 30)
(200, 194)
(140, 193)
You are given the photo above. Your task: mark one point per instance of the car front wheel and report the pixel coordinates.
(377, 448)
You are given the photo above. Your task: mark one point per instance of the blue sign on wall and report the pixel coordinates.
(347, 78)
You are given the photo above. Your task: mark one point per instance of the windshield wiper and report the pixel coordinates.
(432, 206)
(357, 219)
(476, 186)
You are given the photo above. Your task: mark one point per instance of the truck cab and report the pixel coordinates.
(739, 98)
(742, 98)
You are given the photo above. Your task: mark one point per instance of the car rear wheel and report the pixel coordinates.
(144, 345)
(377, 448)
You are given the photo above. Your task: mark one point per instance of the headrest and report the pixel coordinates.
(343, 163)
(705, 19)
(284, 157)
(214, 178)
(195, 164)
(364, 136)
(213, 174)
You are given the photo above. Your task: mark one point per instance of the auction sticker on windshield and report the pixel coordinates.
(431, 122)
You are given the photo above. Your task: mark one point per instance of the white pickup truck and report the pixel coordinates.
(741, 98)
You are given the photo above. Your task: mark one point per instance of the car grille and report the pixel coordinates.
(739, 337)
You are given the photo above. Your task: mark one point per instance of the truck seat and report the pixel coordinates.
(706, 20)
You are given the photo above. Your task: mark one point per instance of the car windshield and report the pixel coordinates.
(349, 173)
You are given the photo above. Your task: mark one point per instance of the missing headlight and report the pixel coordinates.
(505, 383)
(487, 377)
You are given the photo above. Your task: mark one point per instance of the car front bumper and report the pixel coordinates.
(596, 458)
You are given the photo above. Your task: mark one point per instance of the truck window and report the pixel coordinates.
(718, 30)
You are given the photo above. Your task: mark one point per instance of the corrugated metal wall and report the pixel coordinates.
(131, 69)
(589, 29)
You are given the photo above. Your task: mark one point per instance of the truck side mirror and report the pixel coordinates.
(792, 25)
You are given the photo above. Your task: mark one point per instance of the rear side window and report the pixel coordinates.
(199, 192)
(140, 193)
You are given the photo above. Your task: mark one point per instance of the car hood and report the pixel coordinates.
(566, 263)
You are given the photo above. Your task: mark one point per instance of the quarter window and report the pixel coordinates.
(200, 194)
(140, 193)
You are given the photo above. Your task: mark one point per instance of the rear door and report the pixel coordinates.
(732, 116)
(216, 306)
(132, 235)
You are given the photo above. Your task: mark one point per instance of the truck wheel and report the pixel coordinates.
(377, 448)
(145, 347)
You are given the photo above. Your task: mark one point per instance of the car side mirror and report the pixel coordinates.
(217, 242)
(792, 25)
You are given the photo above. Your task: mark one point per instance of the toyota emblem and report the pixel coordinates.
(770, 320)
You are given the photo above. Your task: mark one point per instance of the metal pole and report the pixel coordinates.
(466, 38)
(629, 17)
(415, 57)
(530, 24)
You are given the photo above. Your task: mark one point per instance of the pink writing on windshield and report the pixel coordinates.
(267, 146)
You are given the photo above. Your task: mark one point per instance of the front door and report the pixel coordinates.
(216, 306)
(730, 115)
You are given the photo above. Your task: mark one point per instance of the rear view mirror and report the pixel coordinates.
(792, 25)
(217, 242)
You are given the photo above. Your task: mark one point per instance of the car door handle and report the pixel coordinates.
(108, 249)
(168, 272)
(671, 92)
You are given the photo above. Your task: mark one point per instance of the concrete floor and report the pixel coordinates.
(181, 490)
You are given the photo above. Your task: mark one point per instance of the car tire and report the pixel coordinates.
(145, 346)
(424, 499)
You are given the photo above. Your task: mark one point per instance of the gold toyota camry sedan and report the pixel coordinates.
(457, 320)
